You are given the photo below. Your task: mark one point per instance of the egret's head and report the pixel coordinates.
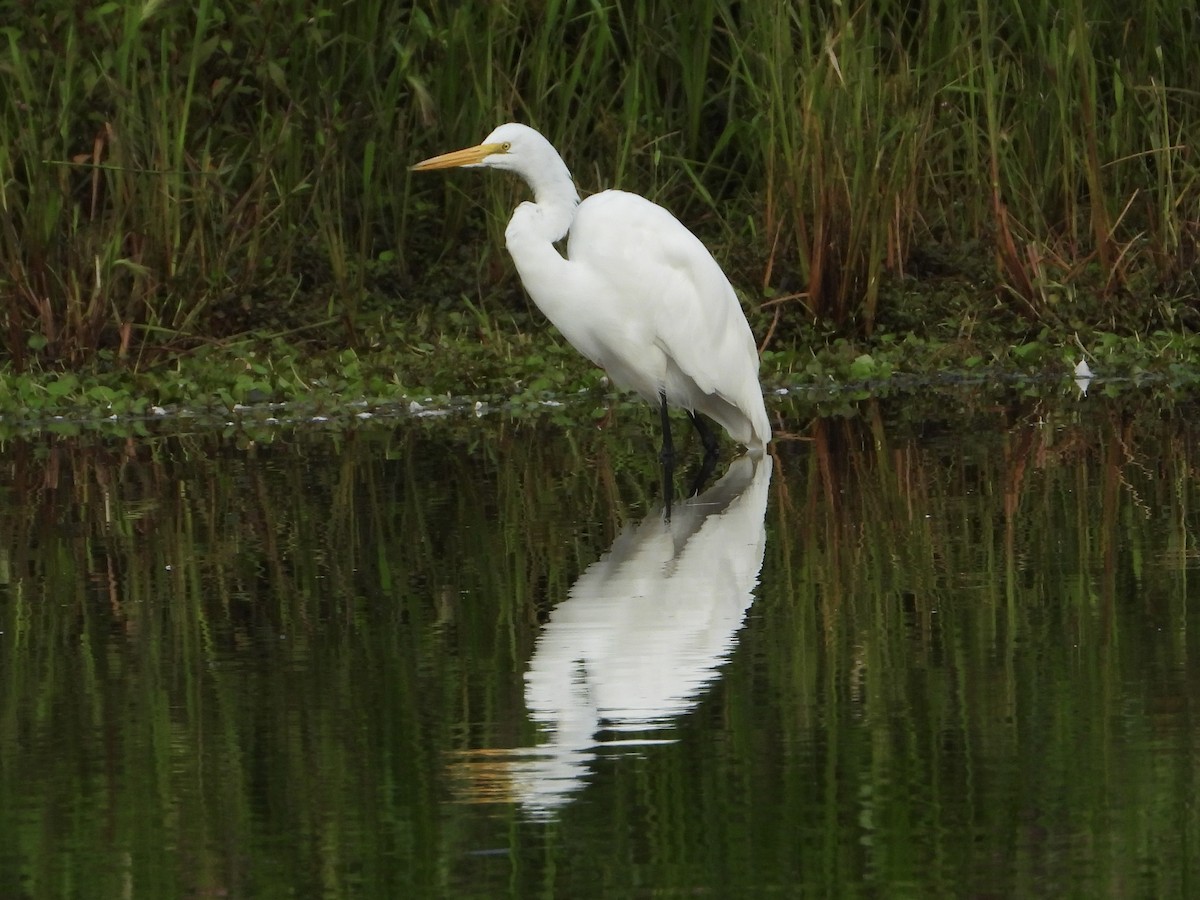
(510, 146)
(521, 150)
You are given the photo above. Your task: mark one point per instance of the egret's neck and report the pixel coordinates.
(532, 233)
(556, 198)
(534, 229)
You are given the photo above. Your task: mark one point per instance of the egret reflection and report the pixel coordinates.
(1083, 377)
(641, 634)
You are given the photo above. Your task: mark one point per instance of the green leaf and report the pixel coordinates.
(62, 386)
(863, 366)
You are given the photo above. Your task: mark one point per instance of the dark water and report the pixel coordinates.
(934, 646)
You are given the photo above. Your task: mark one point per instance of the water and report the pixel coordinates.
(936, 646)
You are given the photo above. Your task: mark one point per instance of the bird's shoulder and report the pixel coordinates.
(618, 223)
(628, 208)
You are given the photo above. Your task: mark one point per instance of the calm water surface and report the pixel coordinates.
(935, 646)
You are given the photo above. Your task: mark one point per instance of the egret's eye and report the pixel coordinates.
(506, 146)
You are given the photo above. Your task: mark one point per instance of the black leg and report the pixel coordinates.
(707, 438)
(667, 457)
(701, 474)
(668, 449)
(668, 486)
(711, 453)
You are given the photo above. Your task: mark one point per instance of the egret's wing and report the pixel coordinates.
(662, 276)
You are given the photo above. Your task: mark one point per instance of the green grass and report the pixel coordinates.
(174, 174)
(453, 358)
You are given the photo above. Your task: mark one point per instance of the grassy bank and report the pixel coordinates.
(450, 361)
(173, 176)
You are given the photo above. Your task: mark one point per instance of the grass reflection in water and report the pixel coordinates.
(250, 664)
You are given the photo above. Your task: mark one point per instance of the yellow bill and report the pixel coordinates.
(471, 156)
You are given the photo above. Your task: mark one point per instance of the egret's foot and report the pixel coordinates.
(702, 473)
(668, 486)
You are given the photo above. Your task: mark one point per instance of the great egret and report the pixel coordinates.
(637, 294)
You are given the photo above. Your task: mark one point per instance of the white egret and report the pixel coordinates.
(637, 293)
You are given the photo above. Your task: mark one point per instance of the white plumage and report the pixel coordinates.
(637, 293)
